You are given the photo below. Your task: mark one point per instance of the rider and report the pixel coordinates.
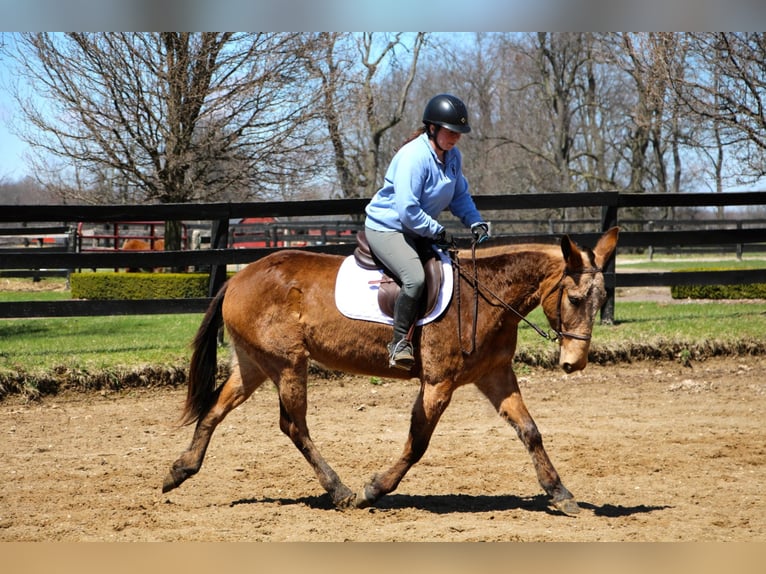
(424, 178)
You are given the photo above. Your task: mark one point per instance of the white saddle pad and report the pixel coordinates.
(356, 292)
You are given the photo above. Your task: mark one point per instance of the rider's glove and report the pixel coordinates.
(480, 232)
(444, 241)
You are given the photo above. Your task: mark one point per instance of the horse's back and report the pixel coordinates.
(288, 267)
(279, 286)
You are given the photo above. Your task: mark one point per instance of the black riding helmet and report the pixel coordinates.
(448, 111)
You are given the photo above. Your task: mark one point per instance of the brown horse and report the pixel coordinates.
(141, 245)
(280, 313)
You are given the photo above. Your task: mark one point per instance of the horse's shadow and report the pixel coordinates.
(457, 503)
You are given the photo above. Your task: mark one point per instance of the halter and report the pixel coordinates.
(558, 333)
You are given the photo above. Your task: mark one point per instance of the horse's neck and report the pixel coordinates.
(525, 273)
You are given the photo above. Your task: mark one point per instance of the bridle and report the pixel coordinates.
(558, 332)
(560, 286)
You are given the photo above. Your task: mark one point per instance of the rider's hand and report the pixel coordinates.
(480, 232)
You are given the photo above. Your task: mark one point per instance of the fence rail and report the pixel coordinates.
(221, 253)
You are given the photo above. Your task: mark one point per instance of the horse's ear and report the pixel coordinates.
(606, 246)
(571, 252)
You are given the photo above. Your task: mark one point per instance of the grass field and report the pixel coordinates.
(642, 263)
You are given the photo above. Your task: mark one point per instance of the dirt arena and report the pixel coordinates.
(652, 452)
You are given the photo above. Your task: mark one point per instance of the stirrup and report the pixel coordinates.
(400, 355)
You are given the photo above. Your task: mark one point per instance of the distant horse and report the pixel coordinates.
(141, 245)
(280, 313)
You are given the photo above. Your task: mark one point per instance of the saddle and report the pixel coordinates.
(390, 287)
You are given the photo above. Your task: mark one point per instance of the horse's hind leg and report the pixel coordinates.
(426, 412)
(503, 392)
(235, 391)
(291, 385)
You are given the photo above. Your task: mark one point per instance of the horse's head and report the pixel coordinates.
(571, 304)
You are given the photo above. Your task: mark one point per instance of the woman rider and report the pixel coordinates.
(424, 178)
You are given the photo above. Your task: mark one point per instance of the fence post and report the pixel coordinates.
(608, 220)
(72, 247)
(219, 237)
(739, 245)
(218, 240)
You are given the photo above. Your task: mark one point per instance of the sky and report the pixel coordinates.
(12, 165)
(353, 15)
(11, 162)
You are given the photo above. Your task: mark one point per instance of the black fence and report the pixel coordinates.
(318, 234)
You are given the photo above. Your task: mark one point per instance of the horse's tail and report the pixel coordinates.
(201, 390)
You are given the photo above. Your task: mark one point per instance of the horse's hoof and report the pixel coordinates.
(568, 506)
(367, 497)
(175, 478)
(346, 503)
(344, 498)
(169, 483)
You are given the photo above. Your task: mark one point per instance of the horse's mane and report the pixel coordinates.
(549, 249)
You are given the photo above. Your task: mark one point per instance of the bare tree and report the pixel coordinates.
(365, 79)
(473, 71)
(332, 66)
(645, 58)
(177, 117)
(545, 95)
(726, 86)
(22, 191)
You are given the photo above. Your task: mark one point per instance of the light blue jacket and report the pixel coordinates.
(417, 188)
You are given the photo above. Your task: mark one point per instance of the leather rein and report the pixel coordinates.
(558, 332)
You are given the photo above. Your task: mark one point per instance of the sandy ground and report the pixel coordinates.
(652, 452)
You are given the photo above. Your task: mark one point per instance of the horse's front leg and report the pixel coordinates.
(431, 402)
(503, 392)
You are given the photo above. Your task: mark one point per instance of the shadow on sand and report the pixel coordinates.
(452, 503)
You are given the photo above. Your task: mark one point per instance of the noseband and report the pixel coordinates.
(558, 333)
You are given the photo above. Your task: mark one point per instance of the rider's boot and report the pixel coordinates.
(400, 351)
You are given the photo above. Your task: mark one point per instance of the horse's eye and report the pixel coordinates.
(574, 299)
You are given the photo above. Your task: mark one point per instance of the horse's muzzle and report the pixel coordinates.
(573, 356)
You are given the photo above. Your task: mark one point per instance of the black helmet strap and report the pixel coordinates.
(432, 135)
